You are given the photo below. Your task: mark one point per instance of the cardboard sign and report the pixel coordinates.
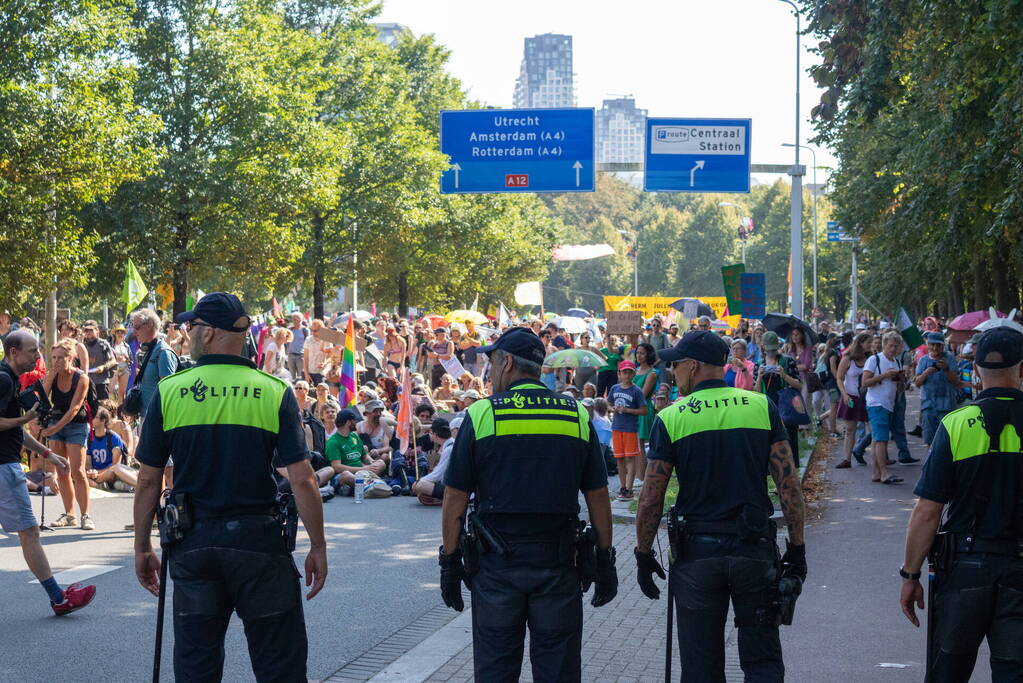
(624, 322)
(330, 335)
(753, 288)
(730, 276)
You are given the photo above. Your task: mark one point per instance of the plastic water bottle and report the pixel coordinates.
(360, 486)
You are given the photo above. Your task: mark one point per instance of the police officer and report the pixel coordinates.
(526, 452)
(975, 467)
(224, 420)
(723, 442)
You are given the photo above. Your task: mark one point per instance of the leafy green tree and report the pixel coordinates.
(70, 135)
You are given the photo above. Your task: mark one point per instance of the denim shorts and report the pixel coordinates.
(880, 423)
(76, 433)
(15, 507)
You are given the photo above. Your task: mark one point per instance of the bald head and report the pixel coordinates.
(21, 351)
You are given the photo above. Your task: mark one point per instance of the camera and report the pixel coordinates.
(36, 395)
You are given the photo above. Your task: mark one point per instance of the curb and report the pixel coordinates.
(629, 517)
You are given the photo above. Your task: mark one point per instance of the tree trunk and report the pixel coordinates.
(179, 271)
(956, 292)
(316, 249)
(1000, 279)
(403, 294)
(981, 292)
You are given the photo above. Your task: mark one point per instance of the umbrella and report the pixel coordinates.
(782, 324)
(461, 315)
(550, 315)
(360, 316)
(993, 321)
(435, 321)
(574, 358)
(570, 324)
(970, 321)
(578, 313)
(701, 308)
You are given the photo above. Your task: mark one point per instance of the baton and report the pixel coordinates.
(932, 651)
(671, 621)
(161, 601)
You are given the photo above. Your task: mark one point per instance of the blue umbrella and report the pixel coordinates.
(578, 313)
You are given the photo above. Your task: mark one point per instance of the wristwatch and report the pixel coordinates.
(915, 576)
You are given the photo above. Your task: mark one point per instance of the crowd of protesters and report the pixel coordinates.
(855, 377)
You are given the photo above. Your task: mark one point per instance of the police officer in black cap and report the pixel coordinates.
(975, 468)
(723, 442)
(526, 453)
(224, 420)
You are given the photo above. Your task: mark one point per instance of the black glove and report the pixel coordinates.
(793, 562)
(646, 566)
(452, 573)
(606, 585)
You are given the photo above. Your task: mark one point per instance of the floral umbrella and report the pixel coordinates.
(574, 358)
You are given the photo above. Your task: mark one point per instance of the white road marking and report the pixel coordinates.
(420, 662)
(81, 573)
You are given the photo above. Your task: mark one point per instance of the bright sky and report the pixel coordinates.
(687, 58)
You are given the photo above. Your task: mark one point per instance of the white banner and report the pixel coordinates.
(529, 294)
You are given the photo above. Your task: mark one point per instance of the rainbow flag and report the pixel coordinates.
(348, 366)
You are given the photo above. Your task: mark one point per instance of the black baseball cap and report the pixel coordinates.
(441, 428)
(1004, 341)
(345, 415)
(218, 309)
(702, 345)
(520, 342)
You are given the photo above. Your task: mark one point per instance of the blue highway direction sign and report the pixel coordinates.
(837, 234)
(517, 150)
(697, 155)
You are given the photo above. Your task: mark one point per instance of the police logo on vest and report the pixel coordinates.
(520, 401)
(200, 391)
(695, 405)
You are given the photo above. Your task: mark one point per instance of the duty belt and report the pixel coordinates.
(724, 527)
(966, 544)
(238, 511)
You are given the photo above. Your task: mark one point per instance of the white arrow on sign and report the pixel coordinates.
(456, 168)
(577, 166)
(692, 173)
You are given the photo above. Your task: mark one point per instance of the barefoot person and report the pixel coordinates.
(21, 351)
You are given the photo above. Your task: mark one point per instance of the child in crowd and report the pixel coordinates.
(602, 427)
(629, 404)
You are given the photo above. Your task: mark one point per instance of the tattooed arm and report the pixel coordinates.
(790, 490)
(651, 503)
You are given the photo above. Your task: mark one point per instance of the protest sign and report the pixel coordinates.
(730, 277)
(624, 322)
(753, 288)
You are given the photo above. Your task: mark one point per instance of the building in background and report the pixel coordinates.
(620, 129)
(389, 32)
(545, 78)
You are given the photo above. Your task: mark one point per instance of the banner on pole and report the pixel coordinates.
(730, 277)
(753, 288)
(652, 305)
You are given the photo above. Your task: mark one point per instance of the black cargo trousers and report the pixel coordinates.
(237, 564)
(714, 569)
(980, 596)
(530, 585)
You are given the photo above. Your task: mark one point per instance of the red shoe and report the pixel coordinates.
(76, 596)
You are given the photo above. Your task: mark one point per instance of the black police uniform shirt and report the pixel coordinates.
(11, 440)
(960, 471)
(527, 453)
(223, 420)
(719, 440)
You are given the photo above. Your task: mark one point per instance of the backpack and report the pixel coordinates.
(91, 399)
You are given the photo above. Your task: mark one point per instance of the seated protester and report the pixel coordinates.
(321, 468)
(430, 488)
(377, 430)
(119, 425)
(347, 453)
(106, 450)
(424, 444)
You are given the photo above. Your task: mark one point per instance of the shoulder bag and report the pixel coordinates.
(132, 406)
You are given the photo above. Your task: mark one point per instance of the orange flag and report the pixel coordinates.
(404, 426)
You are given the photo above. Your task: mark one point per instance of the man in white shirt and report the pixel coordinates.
(430, 487)
(314, 353)
(882, 375)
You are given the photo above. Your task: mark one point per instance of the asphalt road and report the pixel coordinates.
(382, 575)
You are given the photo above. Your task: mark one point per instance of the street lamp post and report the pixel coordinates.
(742, 240)
(813, 153)
(796, 236)
(635, 260)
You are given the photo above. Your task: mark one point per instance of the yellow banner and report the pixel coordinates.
(652, 305)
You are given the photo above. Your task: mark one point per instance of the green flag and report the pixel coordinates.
(135, 290)
(910, 332)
